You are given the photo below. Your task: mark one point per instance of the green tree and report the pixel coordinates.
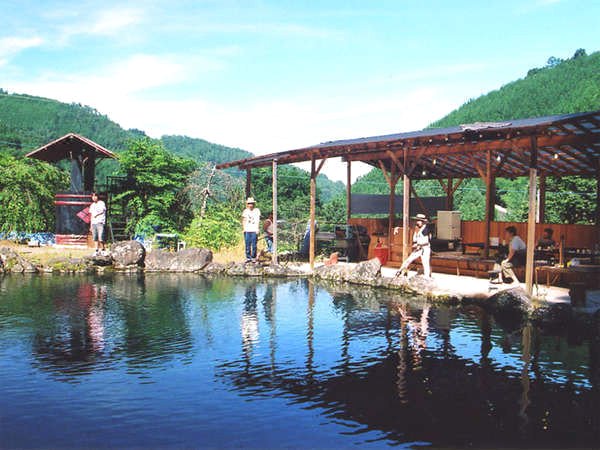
(156, 196)
(27, 189)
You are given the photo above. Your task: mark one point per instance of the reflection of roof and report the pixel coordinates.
(67, 145)
(566, 144)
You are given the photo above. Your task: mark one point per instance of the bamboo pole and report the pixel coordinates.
(531, 218)
(313, 194)
(274, 252)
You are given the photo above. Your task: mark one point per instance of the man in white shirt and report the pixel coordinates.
(97, 221)
(250, 225)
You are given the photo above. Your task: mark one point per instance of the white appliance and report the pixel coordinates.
(448, 225)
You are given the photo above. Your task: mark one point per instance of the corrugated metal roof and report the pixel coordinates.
(453, 151)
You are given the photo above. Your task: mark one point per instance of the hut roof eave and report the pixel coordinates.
(575, 136)
(62, 148)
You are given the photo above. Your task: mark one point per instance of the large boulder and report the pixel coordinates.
(365, 272)
(13, 262)
(188, 260)
(513, 300)
(127, 254)
(279, 271)
(245, 270)
(337, 272)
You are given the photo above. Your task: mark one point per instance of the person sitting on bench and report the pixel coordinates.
(546, 241)
(421, 246)
(515, 258)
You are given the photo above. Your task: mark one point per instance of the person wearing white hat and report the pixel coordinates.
(421, 246)
(250, 225)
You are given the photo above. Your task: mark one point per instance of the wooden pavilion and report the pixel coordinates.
(536, 147)
(72, 216)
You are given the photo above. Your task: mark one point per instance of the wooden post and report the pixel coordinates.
(274, 252)
(248, 181)
(450, 195)
(313, 195)
(531, 218)
(348, 190)
(406, 245)
(542, 204)
(489, 202)
(391, 209)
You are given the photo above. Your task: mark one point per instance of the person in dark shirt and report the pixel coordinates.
(546, 241)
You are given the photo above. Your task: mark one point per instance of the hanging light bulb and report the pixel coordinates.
(424, 172)
(499, 158)
(556, 156)
(434, 161)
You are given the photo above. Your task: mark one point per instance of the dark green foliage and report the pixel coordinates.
(156, 197)
(220, 228)
(201, 150)
(38, 120)
(560, 88)
(27, 189)
(293, 191)
(570, 199)
(333, 211)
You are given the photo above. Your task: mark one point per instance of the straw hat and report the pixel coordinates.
(250, 200)
(421, 217)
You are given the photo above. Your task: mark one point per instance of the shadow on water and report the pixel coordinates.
(231, 357)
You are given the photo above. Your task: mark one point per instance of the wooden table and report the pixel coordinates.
(590, 274)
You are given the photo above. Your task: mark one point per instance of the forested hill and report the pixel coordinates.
(27, 122)
(192, 147)
(561, 87)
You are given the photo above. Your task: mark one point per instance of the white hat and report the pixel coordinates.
(250, 200)
(421, 217)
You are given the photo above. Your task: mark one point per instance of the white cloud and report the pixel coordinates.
(12, 45)
(262, 126)
(112, 22)
(534, 5)
(136, 74)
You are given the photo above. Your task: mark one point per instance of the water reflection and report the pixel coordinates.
(355, 366)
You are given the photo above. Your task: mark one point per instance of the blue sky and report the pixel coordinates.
(273, 75)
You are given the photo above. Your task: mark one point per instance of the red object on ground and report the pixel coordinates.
(381, 253)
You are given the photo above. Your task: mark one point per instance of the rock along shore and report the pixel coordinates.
(130, 256)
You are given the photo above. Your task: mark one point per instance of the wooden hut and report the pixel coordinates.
(536, 147)
(72, 219)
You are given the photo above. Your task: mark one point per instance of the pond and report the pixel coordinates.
(185, 361)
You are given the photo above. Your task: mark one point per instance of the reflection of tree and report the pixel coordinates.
(154, 316)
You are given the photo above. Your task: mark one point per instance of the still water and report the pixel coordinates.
(182, 361)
